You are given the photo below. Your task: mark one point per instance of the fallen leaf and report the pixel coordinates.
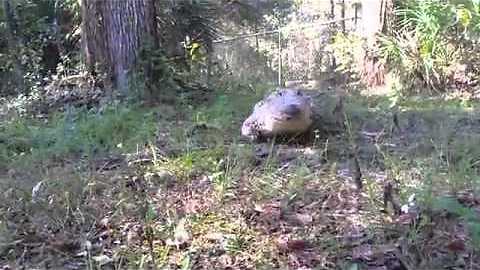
(102, 259)
(105, 222)
(287, 245)
(300, 219)
(215, 236)
(181, 236)
(267, 207)
(406, 219)
(297, 244)
(363, 252)
(38, 191)
(269, 212)
(64, 243)
(456, 245)
(192, 206)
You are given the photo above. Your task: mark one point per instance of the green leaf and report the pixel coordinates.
(186, 263)
(464, 16)
(151, 214)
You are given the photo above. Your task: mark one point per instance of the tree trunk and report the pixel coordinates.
(372, 19)
(332, 9)
(14, 45)
(387, 15)
(342, 16)
(112, 34)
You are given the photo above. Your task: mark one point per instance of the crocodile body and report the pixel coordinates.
(283, 112)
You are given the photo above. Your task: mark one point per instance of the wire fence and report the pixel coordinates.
(281, 56)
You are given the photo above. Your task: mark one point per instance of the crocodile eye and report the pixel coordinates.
(299, 93)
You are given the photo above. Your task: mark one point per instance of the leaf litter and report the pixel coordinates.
(125, 219)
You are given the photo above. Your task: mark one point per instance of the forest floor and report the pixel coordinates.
(174, 187)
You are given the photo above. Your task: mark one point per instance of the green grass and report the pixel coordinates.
(77, 132)
(193, 163)
(204, 149)
(227, 111)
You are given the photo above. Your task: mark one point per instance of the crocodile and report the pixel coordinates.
(283, 112)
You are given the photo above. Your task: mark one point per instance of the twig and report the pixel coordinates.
(396, 124)
(357, 173)
(388, 197)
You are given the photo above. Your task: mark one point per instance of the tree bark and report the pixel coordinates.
(112, 34)
(387, 15)
(14, 45)
(332, 9)
(342, 16)
(371, 19)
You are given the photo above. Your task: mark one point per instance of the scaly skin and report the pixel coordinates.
(283, 112)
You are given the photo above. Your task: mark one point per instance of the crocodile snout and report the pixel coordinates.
(290, 112)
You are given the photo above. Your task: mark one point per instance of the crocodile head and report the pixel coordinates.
(283, 111)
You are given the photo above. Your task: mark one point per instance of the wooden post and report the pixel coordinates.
(279, 58)
(332, 9)
(342, 10)
(355, 6)
(257, 47)
(209, 63)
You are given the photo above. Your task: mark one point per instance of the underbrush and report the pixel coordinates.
(132, 187)
(432, 46)
(77, 132)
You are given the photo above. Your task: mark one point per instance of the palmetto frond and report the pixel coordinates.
(193, 20)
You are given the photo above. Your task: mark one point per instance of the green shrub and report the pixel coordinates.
(348, 52)
(193, 163)
(116, 127)
(431, 40)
